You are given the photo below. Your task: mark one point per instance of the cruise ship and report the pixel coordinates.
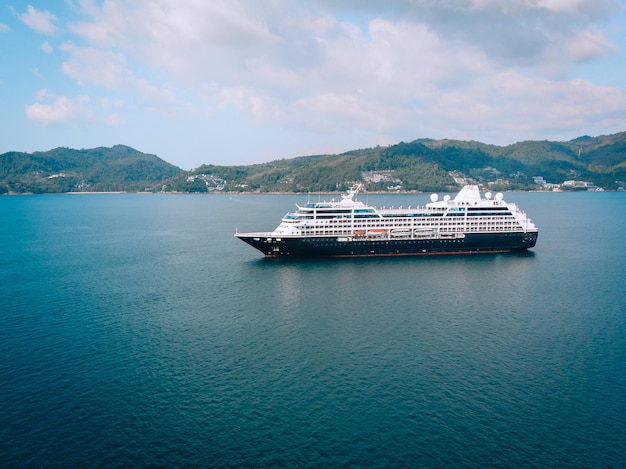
(469, 223)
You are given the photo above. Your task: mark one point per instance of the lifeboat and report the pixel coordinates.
(399, 232)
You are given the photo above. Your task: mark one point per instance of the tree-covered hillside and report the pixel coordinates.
(119, 168)
(426, 165)
(329, 172)
(421, 165)
(600, 160)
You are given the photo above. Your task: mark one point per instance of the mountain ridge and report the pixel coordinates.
(62, 169)
(420, 165)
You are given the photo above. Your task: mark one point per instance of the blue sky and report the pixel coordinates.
(247, 81)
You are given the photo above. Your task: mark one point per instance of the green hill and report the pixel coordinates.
(407, 162)
(421, 165)
(426, 165)
(119, 168)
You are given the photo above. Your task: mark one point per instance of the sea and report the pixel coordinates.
(137, 331)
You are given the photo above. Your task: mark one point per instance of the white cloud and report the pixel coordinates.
(375, 84)
(62, 110)
(326, 112)
(46, 47)
(40, 21)
(89, 66)
(512, 104)
(515, 33)
(4, 28)
(281, 43)
(186, 37)
(589, 45)
(578, 7)
(260, 107)
(153, 98)
(407, 67)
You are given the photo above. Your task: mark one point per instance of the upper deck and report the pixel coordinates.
(467, 212)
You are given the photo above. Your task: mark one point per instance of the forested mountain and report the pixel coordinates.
(119, 168)
(427, 165)
(420, 165)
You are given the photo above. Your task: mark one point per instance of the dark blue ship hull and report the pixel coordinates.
(354, 247)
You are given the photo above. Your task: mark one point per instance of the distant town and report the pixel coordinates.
(216, 184)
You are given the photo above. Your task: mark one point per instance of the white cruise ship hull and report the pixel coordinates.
(468, 223)
(324, 246)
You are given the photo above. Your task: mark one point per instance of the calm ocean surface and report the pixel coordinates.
(136, 330)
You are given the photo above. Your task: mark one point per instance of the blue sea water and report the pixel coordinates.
(137, 331)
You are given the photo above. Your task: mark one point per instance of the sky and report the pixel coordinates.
(238, 82)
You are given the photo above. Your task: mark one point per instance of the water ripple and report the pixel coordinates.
(136, 331)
